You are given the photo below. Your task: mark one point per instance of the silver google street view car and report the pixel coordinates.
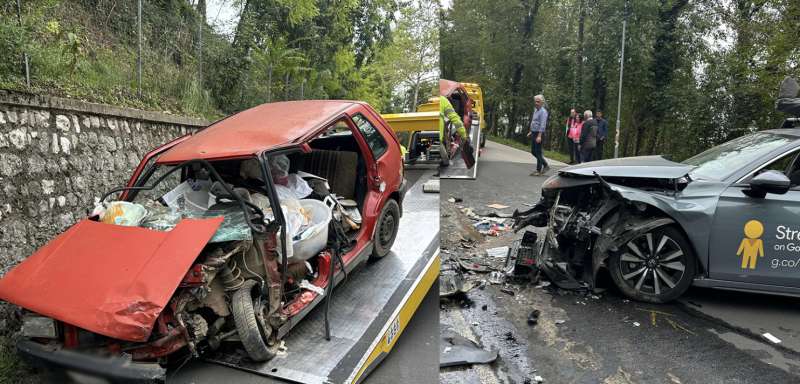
(726, 218)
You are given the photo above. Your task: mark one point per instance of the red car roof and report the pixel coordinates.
(257, 129)
(447, 87)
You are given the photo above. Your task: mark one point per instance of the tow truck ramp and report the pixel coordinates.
(369, 310)
(458, 169)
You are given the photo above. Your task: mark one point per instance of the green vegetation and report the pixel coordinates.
(12, 369)
(696, 72)
(278, 50)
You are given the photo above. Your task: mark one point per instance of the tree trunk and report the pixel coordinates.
(519, 67)
(416, 95)
(239, 40)
(201, 9)
(599, 89)
(665, 51)
(269, 83)
(577, 94)
(302, 89)
(286, 87)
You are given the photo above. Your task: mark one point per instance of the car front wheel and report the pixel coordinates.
(656, 267)
(252, 332)
(386, 230)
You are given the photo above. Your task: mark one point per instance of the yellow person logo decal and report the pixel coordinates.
(751, 247)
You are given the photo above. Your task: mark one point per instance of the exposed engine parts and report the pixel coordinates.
(585, 224)
(231, 276)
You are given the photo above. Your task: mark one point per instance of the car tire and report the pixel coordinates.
(251, 331)
(386, 229)
(655, 267)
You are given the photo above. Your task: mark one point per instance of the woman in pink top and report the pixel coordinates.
(574, 134)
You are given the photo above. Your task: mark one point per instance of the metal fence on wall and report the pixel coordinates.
(122, 45)
(157, 54)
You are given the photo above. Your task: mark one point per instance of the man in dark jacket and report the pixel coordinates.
(602, 133)
(588, 139)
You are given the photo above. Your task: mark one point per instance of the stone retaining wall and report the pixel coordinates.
(58, 155)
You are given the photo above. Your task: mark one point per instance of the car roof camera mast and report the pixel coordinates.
(788, 102)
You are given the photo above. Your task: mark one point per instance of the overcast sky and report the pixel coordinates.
(222, 15)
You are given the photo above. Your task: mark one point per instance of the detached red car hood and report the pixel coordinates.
(108, 279)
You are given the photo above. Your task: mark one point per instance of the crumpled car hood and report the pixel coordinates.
(640, 166)
(108, 279)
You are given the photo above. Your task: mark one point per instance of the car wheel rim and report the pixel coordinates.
(387, 229)
(652, 264)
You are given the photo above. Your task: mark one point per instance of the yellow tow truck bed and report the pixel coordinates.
(413, 121)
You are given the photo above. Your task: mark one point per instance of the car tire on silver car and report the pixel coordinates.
(657, 266)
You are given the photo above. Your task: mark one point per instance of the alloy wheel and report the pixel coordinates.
(652, 264)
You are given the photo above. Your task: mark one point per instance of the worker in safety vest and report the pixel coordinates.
(447, 112)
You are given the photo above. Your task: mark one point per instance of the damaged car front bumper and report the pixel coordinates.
(585, 218)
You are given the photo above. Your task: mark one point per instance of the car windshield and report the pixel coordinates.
(723, 160)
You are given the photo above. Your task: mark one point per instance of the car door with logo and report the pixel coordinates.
(757, 239)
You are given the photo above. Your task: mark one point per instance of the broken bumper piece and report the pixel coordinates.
(116, 370)
(455, 350)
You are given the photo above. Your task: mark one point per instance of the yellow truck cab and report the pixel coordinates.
(418, 131)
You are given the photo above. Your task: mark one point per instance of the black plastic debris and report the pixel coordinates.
(533, 317)
(522, 255)
(455, 350)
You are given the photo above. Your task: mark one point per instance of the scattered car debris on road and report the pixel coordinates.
(458, 350)
(771, 338)
(497, 206)
(497, 277)
(431, 186)
(533, 317)
(498, 252)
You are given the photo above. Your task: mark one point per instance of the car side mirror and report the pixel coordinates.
(768, 182)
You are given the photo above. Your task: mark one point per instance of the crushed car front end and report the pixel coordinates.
(612, 210)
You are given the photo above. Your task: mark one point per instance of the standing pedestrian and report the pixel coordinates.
(588, 140)
(575, 136)
(602, 133)
(571, 121)
(537, 130)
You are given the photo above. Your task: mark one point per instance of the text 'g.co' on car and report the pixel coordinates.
(725, 218)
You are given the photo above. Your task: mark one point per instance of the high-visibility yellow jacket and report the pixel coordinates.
(446, 111)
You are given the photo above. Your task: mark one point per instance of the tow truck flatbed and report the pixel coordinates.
(369, 310)
(457, 168)
(414, 125)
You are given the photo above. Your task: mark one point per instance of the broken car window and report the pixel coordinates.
(339, 129)
(374, 138)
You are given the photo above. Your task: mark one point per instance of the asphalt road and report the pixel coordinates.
(709, 337)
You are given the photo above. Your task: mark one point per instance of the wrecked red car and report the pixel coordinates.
(193, 256)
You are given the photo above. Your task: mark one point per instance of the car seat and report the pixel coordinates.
(340, 168)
